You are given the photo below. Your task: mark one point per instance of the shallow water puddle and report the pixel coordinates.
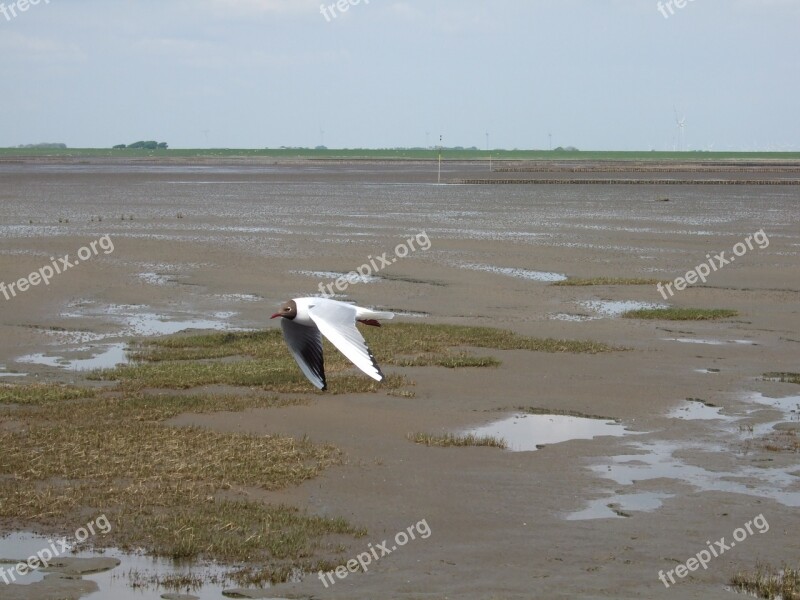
(239, 297)
(132, 321)
(710, 342)
(526, 433)
(4, 373)
(115, 582)
(617, 507)
(572, 317)
(658, 461)
(157, 279)
(789, 405)
(331, 276)
(14, 549)
(139, 321)
(150, 324)
(106, 358)
(616, 308)
(698, 411)
(517, 273)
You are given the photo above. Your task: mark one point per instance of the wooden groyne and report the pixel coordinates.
(627, 182)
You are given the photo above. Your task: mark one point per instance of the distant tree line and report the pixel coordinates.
(45, 145)
(149, 145)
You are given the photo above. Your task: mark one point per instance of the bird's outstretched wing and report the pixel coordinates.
(305, 344)
(337, 322)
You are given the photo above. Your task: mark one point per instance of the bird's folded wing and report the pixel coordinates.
(305, 344)
(337, 322)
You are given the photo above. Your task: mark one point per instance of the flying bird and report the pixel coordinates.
(305, 320)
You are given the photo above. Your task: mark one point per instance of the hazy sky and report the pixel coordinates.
(597, 74)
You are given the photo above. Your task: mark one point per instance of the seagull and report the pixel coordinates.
(304, 322)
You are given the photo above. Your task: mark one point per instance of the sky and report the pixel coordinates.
(594, 74)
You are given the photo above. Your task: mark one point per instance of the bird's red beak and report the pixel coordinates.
(275, 316)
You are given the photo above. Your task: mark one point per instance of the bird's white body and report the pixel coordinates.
(314, 317)
(304, 315)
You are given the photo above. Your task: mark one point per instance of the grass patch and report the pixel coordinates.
(449, 439)
(449, 361)
(434, 341)
(235, 531)
(681, 314)
(177, 492)
(36, 394)
(783, 377)
(402, 394)
(280, 376)
(58, 401)
(781, 441)
(261, 359)
(769, 582)
(579, 282)
(426, 341)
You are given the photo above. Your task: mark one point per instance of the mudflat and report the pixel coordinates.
(689, 455)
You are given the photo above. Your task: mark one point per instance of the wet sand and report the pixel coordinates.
(226, 242)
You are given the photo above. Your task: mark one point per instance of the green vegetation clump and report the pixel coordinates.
(450, 361)
(261, 359)
(405, 339)
(578, 282)
(769, 582)
(781, 441)
(177, 492)
(681, 314)
(451, 440)
(783, 377)
(41, 394)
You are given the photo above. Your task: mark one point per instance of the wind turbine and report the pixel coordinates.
(681, 123)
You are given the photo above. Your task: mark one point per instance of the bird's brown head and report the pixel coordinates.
(288, 310)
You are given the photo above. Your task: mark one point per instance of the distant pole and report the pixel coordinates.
(550, 136)
(439, 178)
(487, 141)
